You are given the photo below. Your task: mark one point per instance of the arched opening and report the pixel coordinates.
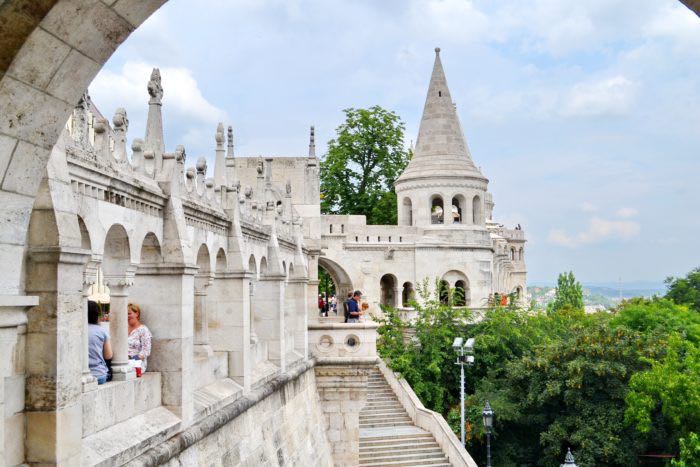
(476, 210)
(85, 242)
(457, 205)
(388, 285)
(333, 279)
(407, 294)
(330, 230)
(150, 250)
(202, 280)
(520, 254)
(437, 210)
(443, 292)
(252, 266)
(263, 266)
(460, 293)
(512, 254)
(221, 263)
(407, 207)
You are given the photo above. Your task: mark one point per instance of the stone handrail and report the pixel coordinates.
(344, 343)
(428, 420)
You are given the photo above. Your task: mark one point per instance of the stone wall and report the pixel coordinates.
(279, 423)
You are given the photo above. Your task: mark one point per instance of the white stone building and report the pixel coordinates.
(446, 229)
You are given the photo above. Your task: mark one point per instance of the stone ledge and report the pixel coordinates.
(213, 396)
(164, 451)
(120, 443)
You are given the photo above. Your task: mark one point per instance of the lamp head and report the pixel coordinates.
(469, 345)
(487, 415)
(457, 344)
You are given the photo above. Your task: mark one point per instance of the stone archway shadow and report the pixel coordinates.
(339, 275)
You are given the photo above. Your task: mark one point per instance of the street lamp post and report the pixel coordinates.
(487, 415)
(465, 355)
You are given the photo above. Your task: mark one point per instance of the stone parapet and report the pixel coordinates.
(344, 343)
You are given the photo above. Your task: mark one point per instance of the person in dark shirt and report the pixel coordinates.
(345, 306)
(354, 312)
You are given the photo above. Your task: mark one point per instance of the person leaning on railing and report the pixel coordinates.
(354, 311)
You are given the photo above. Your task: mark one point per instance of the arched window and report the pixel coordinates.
(457, 209)
(460, 295)
(331, 229)
(476, 210)
(512, 254)
(342, 228)
(437, 210)
(407, 211)
(444, 292)
(520, 254)
(388, 286)
(407, 294)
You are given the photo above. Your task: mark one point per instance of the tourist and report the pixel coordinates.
(345, 306)
(354, 312)
(139, 337)
(99, 348)
(334, 304)
(321, 305)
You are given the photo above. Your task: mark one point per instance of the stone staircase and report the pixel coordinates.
(387, 434)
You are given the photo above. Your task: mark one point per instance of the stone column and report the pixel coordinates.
(269, 314)
(13, 329)
(89, 279)
(231, 325)
(342, 389)
(119, 325)
(201, 321)
(54, 349)
(298, 293)
(165, 294)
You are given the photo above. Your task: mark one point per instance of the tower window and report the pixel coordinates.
(439, 93)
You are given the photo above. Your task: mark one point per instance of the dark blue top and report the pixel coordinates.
(353, 307)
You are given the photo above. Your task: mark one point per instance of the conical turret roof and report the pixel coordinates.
(441, 149)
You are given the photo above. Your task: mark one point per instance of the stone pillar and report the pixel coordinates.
(342, 389)
(201, 321)
(89, 279)
(165, 294)
(230, 323)
(119, 325)
(312, 301)
(298, 295)
(269, 317)
(13, 329)
(54, 357)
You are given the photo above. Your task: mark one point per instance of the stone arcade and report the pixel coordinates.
(225, 270)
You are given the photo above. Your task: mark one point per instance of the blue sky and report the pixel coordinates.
(585, 116)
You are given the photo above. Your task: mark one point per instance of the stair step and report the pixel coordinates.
(433, 451)
(398, 436)
(396, 443)
(441, 461)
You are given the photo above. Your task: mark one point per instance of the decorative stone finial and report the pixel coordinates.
(180, 154)
(288, 187)
(229, 152)
(220, 134)
(437, 50)
(201, 165)
(155, 89)
(312, 142)
(190, 173)
(259, 167)
(120, 120)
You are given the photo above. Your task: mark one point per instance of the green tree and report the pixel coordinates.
(569, 294)
(685, 290)
(363, 162)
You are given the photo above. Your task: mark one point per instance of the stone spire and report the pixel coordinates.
(219, 167)
(312, 143)
(441, 150)
(154, 125)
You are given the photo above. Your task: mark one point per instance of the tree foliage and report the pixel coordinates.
(363, 162)
(685, 290)
(610, 385)
(569, 293)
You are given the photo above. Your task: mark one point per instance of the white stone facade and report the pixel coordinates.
(446, 229)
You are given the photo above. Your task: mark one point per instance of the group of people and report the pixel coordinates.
(100, 348)
(352, 308)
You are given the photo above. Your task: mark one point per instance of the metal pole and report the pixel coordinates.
(488, 449)
(461, 393)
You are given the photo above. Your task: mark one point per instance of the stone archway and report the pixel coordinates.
(341, 279)
(49, 52)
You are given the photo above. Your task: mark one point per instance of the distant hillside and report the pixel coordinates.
(599, 295)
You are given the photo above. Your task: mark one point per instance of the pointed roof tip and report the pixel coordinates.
(437, 50)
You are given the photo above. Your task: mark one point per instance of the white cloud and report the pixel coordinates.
(587, 207)
(455, 21)
(626, 213)
(188, 116)
(611, 96)
(599, 230)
